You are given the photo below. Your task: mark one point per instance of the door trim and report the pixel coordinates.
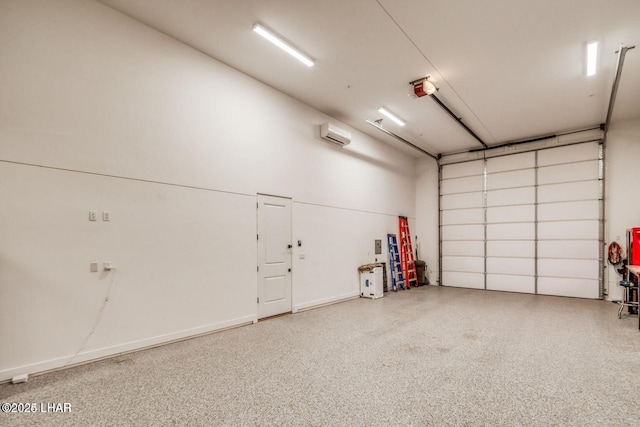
(261, 270)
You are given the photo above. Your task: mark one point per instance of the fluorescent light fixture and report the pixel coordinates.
(592, 58)
(397, 120)
(278, 41)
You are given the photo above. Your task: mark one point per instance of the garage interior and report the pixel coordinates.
(167, 173)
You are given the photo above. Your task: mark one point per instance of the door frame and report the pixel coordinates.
(259, 278)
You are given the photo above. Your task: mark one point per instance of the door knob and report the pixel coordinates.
(289, 246)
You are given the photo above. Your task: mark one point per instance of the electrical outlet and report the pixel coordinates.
(106, 216)
(22, 378)
(93, 216)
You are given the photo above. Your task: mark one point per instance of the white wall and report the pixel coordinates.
(99, 112)
(622, 157)
(332, 242)
(427, 214)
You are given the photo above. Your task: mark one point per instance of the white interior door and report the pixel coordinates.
(274, 255)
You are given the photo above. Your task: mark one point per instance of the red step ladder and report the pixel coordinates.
(406, 253)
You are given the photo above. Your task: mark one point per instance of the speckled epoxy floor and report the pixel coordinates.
(429, 356)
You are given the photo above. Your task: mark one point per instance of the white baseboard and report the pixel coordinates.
(324, 301)
(105, 352)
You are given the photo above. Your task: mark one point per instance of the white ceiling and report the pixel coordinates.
(511, 70)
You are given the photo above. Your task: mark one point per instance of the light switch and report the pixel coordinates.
(93, 267)
(106, 216)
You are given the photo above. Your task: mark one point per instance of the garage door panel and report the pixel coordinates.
(575, 230)
(586, 209)
(462, 185)
(511, 283)
(523, 266)
(511, 162)
(582, 171)
(510, 197)
(462, 232)
(517, 231)
(462, 263)
(582, 249)
(568, 268)
(569, 154)
(585, 190)
(463, 280)
(462, 216)
(514, 248)
(463, 248)
(523, 213)
(461, 201)
(511, 179)
(527, 222)
(458, 170)
(568, 287)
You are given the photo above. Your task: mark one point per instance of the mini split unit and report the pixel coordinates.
(335, 134)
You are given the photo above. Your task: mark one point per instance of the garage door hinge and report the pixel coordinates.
(257, 268)
(258, 300)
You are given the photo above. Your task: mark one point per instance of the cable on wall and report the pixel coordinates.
(105, 302)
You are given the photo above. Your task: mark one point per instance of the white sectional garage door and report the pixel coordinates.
(527, 222)
(569, 189)
(511, 223)
(462, 224)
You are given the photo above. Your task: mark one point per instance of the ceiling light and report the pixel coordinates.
(392, 116)
(278, 41)
(592, 58)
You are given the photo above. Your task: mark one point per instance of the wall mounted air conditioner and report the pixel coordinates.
(335, 134)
